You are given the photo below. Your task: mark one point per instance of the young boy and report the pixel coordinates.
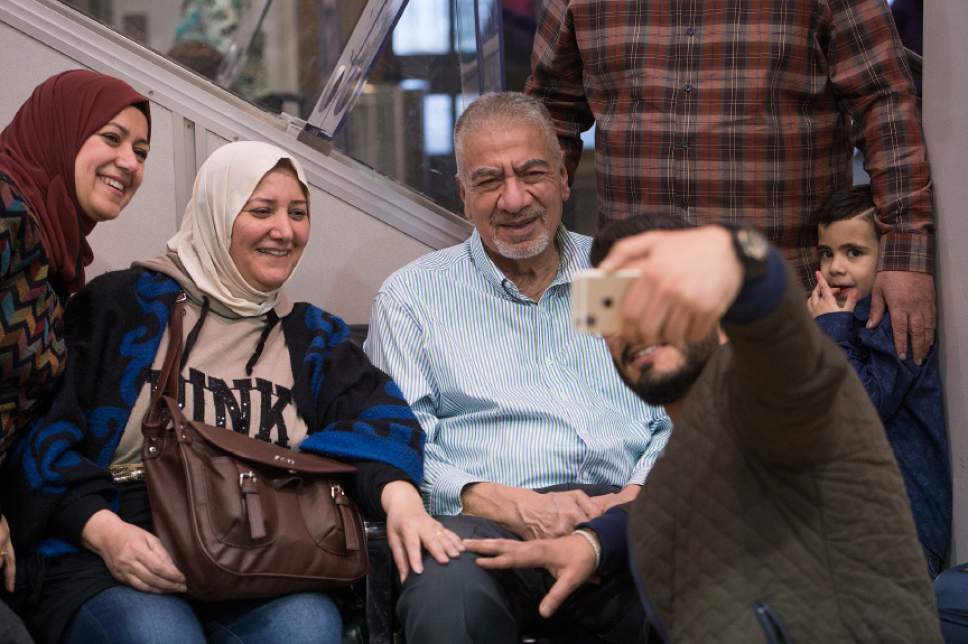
(907, 396)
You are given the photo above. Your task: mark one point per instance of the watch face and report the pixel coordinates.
(754, 244)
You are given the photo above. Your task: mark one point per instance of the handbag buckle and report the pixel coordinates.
(250, 475)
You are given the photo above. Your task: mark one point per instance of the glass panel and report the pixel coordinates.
(384, 79)
(479, 45)
(269, 53)
(425, 29)
(438, 124)
(403, 122)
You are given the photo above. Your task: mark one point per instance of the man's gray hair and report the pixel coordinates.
(504, 109)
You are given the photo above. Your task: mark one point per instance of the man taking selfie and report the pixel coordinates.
(777, 512)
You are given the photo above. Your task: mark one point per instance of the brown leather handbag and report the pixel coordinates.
(243, 518)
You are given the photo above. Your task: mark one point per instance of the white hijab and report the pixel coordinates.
(224, 184)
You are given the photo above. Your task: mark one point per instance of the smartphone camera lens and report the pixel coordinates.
(590, 321)
(607, 302)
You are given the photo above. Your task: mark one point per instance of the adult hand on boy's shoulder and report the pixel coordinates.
(910, 298)
(823, 300)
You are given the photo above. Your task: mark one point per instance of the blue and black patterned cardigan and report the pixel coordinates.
(57, 476)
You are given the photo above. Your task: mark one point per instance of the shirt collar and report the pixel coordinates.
(569, 261)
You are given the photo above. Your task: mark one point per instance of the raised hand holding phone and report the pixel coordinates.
(688, 279)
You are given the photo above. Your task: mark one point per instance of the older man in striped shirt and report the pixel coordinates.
(512, 399)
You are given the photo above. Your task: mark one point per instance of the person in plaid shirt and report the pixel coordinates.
(740, 111)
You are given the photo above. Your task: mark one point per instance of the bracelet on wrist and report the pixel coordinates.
(593, 541)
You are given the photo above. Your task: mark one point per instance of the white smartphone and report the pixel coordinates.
(596, 297)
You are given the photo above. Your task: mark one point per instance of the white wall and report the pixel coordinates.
(350, 253)
(946, 128)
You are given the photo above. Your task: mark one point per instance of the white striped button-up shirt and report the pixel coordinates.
(506, 390)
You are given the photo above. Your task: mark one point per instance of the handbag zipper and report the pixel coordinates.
(253, 505)
(344, 506)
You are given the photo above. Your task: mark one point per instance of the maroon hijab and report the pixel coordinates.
(37, 151)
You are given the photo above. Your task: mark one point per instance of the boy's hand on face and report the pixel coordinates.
(823, 299)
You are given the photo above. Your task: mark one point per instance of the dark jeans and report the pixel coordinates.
(123, 615)
(462, 602)
(951, 591)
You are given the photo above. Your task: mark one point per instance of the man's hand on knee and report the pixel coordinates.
(554, 514)
(527, 513)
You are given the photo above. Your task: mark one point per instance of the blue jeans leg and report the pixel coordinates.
(123, 615)
(300, 618)
(951, 591)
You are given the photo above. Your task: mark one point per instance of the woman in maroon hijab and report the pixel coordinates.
(72, 156)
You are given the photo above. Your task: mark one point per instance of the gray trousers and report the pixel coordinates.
(12, 630)
(462, 602)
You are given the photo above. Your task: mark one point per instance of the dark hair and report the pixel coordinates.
(848, 204)
(622, 228)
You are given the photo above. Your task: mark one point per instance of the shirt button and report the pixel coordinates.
(687, 88)
(549, 361)
(691, 31)
(684, 146)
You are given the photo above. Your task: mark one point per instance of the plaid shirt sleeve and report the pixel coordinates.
(869, 74)
(556, 80)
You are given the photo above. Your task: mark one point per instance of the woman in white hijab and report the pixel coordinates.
(255, 363)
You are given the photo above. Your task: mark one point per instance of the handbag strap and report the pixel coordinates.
(167, 384)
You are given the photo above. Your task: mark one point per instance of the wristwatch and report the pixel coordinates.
(752, 250)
